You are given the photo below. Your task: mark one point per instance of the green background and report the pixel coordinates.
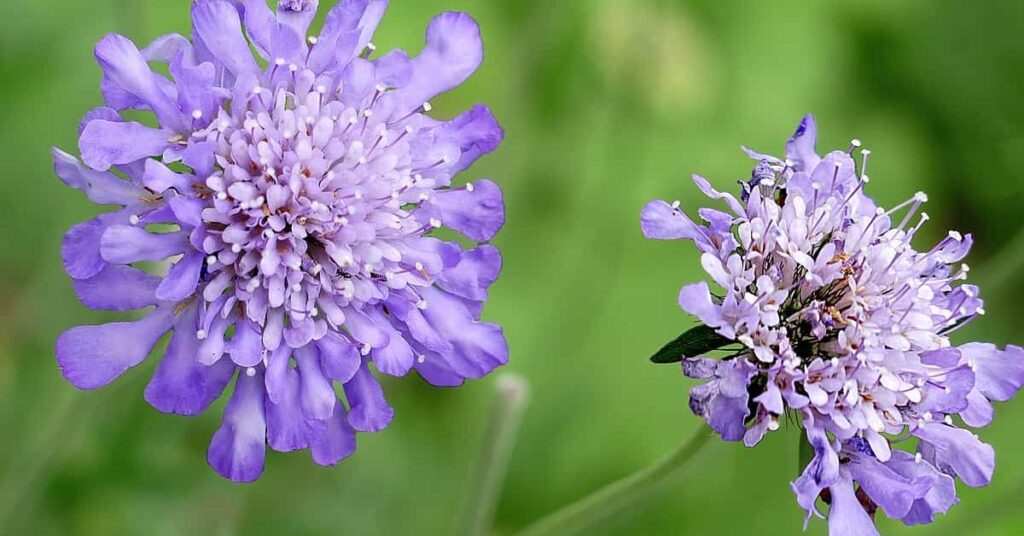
(606, 104)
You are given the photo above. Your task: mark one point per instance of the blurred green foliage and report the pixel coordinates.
(606, 103)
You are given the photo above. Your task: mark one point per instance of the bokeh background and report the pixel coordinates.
(607, 104)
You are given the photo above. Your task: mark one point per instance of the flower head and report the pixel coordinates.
(830, 315)
(296, 193)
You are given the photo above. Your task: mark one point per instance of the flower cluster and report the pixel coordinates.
(295, 192)
(832, 317)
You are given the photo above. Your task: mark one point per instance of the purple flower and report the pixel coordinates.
(835, 317)
(294, 195)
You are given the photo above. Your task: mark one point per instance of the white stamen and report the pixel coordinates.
(421, 305)
(250, 372)
(435, 223)
(427, 107)
(133, 219)
(197, 114)
(201, 334)
(470, 187)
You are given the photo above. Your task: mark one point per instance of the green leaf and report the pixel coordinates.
(692, 343)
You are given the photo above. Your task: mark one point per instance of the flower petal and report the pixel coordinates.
(93, 356)
(368, 410)
(237, 449)
(181, 385)
(100, 187)
(454, 51)
(1000, 373)
(317, 395)
(661, 221)
(217, 26)
(338, 357)
(80, 248)
(337, 442)
(958, 452)
(104, 144)
(477, 270)
(800, 147)
(182, 278)
(478, 347)
(125, 66)
(347, 30)
(847, 517)
(125, 244)
(478, 213)
(117, 288)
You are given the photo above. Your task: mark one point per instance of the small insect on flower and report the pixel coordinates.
(295, 193)
(829, 315)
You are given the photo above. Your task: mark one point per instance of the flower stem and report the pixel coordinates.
(507, 414)
(591, 509)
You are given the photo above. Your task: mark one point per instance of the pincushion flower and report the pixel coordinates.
(830, 316)
(294, 194)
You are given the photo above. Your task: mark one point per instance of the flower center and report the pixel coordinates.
(311, 202)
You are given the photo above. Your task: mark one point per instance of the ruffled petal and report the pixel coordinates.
(800, 149)
(317, 395)
(661, 221)
(338, 440)
(93, 356)
(941, 495)
(476, 132)
(100, 187)
(182, 278)
(478, 347)
(125, 244)
(160, 178)
(1000, 373)
(237, 449)
(395, 359)
(181, 385)
(217, 26)
(117, 288)
(288, 428)
(696, 300)
(80, 249)
(338, 357)
(959, 452)
(368, 410)
(477, 212)
(347, 30)
(125, 66)
(297, 14)
(104, 144)
(894, 492)
(847, 517)
(454, 51)
(477, 270)
(246, 345)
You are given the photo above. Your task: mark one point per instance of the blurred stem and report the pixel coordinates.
(507, 414)
(586, 512)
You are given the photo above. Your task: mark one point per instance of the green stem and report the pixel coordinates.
(586, 512)
(506, 416)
